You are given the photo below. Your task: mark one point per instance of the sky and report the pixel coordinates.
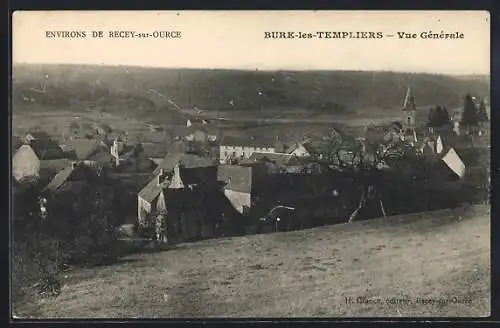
(235, 40)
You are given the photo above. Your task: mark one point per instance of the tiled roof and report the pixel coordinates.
(137, 164)
(84, 148)
(276, 158)
(47, 149)
(54, 164)
(103, 157)
(154, 149)
(185, 160)
(247, 141)
(307, 145)
(59, 179)
(80, 173)
(237, 178)
(152, 190)
(39, 135)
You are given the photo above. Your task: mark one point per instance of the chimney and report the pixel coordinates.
(161, 177)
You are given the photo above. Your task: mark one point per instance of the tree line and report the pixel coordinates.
(438, 116)
(473, 114)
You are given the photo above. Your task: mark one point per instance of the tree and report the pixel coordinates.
(85, 220)
(470, 115)
(431, 118)
(446, 116)
(482, 113)
(368, 175)
(438, 119)
(34, 251)
(369, 154)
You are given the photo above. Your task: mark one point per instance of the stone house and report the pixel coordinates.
(238, 182)
(172, 204)
(238, 148)
(204, 166)
(119, 150)
(147, 199)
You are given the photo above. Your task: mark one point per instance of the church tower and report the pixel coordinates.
(409, 109)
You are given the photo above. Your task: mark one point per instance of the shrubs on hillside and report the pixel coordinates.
(77, 226)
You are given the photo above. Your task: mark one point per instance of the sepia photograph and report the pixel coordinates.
(250, 164)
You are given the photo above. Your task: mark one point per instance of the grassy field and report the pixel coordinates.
(313, 92)
(433, 256)
(58, 123)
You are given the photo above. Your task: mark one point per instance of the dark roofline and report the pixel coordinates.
(246, 142)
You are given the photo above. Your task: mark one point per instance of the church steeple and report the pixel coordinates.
(409, 108)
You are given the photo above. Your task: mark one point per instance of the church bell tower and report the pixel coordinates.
(409, 109)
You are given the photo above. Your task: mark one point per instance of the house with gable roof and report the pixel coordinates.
(238, 181)
(233, 149)
(174, 202)
(76, 175)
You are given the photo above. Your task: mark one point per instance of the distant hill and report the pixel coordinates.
(146, 89)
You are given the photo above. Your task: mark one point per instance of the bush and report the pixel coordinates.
(79, 227)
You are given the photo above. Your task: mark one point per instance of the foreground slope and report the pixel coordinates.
(434, 255)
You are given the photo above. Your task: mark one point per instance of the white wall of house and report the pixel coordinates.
(238, 199)
(25, 163)
(241, 151)
(439, 145)
(143, 209)
(161, 203)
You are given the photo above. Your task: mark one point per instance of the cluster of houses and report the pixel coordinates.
(187, 195)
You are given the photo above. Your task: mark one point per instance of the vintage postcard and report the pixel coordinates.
(250, 164)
